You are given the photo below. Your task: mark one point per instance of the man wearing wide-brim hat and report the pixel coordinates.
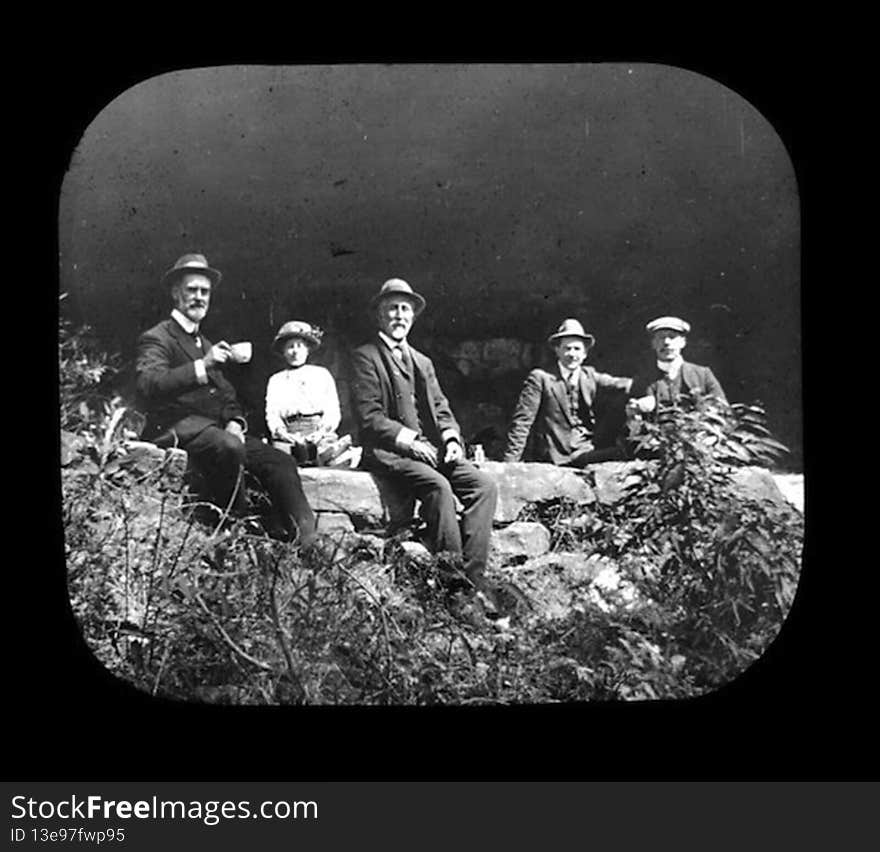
(671, 377)
(556, 416)
(191, 404)
(409, 433)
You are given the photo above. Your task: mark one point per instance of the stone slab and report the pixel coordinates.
(520, 483)
(355, 492)
(334, 522)
(521, 538)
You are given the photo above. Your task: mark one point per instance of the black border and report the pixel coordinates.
(789, 716)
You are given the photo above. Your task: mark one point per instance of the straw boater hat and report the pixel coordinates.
(572, 328)
(297, 328)
(673, 323)
(196, 263)
(399, 287)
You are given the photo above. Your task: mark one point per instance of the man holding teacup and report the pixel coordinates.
(190, 403)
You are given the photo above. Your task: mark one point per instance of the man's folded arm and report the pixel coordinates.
(606, 380)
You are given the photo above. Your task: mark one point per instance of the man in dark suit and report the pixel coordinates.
(409, 433)
(190, 403)
(673, 377)
(557, 408)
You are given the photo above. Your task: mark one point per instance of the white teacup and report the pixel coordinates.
(241, 352)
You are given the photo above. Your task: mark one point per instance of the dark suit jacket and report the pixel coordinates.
(544, 412)
(168, 390)
(377, 387)
(696, 380)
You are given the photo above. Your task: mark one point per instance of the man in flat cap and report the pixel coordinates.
(409, 432)
(673, 377)
(190, 403)
(557, 408)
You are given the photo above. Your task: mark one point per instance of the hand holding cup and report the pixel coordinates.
(219, 353)
(242, 352)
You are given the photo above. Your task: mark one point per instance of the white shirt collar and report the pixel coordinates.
(391, 343)
(671, 368)
(184, 322)
(566, 373)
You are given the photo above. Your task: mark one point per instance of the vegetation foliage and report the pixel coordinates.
(224, 614)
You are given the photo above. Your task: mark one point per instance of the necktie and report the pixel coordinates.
(398, 353)
(196, 339)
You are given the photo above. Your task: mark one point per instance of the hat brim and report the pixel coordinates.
(313, 342)
(674, 328)
(172, 274)
(587, 338)
(417, 300)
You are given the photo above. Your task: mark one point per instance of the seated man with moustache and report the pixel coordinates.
(409, 433)
(672, 378)
(556, 413)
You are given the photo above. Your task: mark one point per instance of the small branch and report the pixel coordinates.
(228, 639)
(232, 496)
(279, 633)
(161, 669)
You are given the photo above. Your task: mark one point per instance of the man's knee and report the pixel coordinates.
(439, 491)
(480, 484)
(228, 448)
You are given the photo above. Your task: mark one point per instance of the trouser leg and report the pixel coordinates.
(279, 475)
(478, 494)
(433, 490)
(220, 457)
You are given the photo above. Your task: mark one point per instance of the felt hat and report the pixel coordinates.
(572, 328)
(196, 263)
(399, 287)
(673, 323)
(297, 328)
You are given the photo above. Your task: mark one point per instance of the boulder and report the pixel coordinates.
(369, 499)
(792, 487)
(520, 483)
(334, 522)
(415, 549)
(757, 483)
(611, 479)
(521, 538)
(554, 582)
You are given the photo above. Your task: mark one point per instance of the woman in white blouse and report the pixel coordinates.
(302, 406)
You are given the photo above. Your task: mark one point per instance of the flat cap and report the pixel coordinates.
(674, 323)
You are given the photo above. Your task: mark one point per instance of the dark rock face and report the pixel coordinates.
(511, 196)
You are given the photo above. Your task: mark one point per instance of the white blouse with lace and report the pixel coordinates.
(305, 390)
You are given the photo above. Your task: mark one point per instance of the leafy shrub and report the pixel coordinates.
(717, 570)
(85, 373)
